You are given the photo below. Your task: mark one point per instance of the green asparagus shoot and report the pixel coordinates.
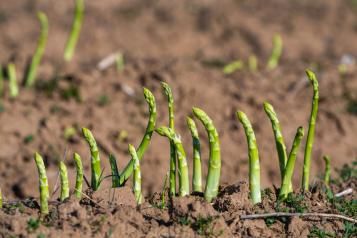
(311, 132)
(14, 90)
(150, 99)
(95, 160)
(276, 52)
(253, 63)
(79, 175)
(43, 184)
(254, 165)
(197, 173)
(36, 59)
(76, 28)
(163, 192)
(214, 162)
(0, 199)
(1, 81)
(119, 62)
(233, 66)
(327, 174)
(184, 186)
(64, 181)
(137, 175)
(170, 100)
(279, 140)
(285, 188)
(115, 171)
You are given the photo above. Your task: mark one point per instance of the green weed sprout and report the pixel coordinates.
(44, 194)
(137, 175)
(115, 171)
(197, 173)
(64, 181)
(36, 59)
(76, 28)
(95, 160)
(254, 166)
(150, 99)
(1, 81)
(214, 163)
(327, 174)
(276, 52)
(311, 132)
(253, 63)
(170, 100)
(79, 175)
(14, 90)
(184, 187)
(285, 188)
(233, 66)
(279, 140)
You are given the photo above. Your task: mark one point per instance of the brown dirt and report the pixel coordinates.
(176, 42)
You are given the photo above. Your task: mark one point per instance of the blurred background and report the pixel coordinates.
(186, 44)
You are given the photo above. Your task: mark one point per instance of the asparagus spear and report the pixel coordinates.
(64, 181)
(43, 182)
(137, 175)
(79, 176)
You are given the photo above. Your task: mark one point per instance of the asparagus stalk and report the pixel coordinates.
(14, 90)
(95, 160)
(150, 99)
(214, 163)
(115, 171)
(254, 166)
(163, 197)
(43, 184)
(36, 59)
(279, 140)
(79, 175)
(253, 63)
(170, 100)
(311, 132)
(197, 173)
(137, 175)
(76, 28)
(0, 199)
(64, 181)
(327, 175)
(276, 52)
(184, 187)
(1, 81)
(233, 66)
(289, 169)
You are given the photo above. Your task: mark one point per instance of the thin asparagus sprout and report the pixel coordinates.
(311, 132)
(254, 166)
(150, 99)
(43, 182)
(1, 81)
(184, 186)
(197, 173)
(279, 140)
(137, 175)
(214, 163)
(327, 174)
(253, 63)
(276, 52)
(14, 90)
(79, 175)
(170, 100)
(95, 160)
(115, 171)
(36, 59)
(289, 169)
(233, 66)
(163, 197)
(0, 199)
(76, 28)
(64, 181)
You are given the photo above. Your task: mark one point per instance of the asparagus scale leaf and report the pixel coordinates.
(137, 175)
(95, 160)
(150, 99)
(214, 162)
(184, 186)
(79, 175)
(43, 184)
(170, 100)
(197, 173)
(311, 132)
(64, 181)
(36, 59)
(289, 169)
(254, 165)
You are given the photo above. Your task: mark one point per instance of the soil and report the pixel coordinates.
(184, 43)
